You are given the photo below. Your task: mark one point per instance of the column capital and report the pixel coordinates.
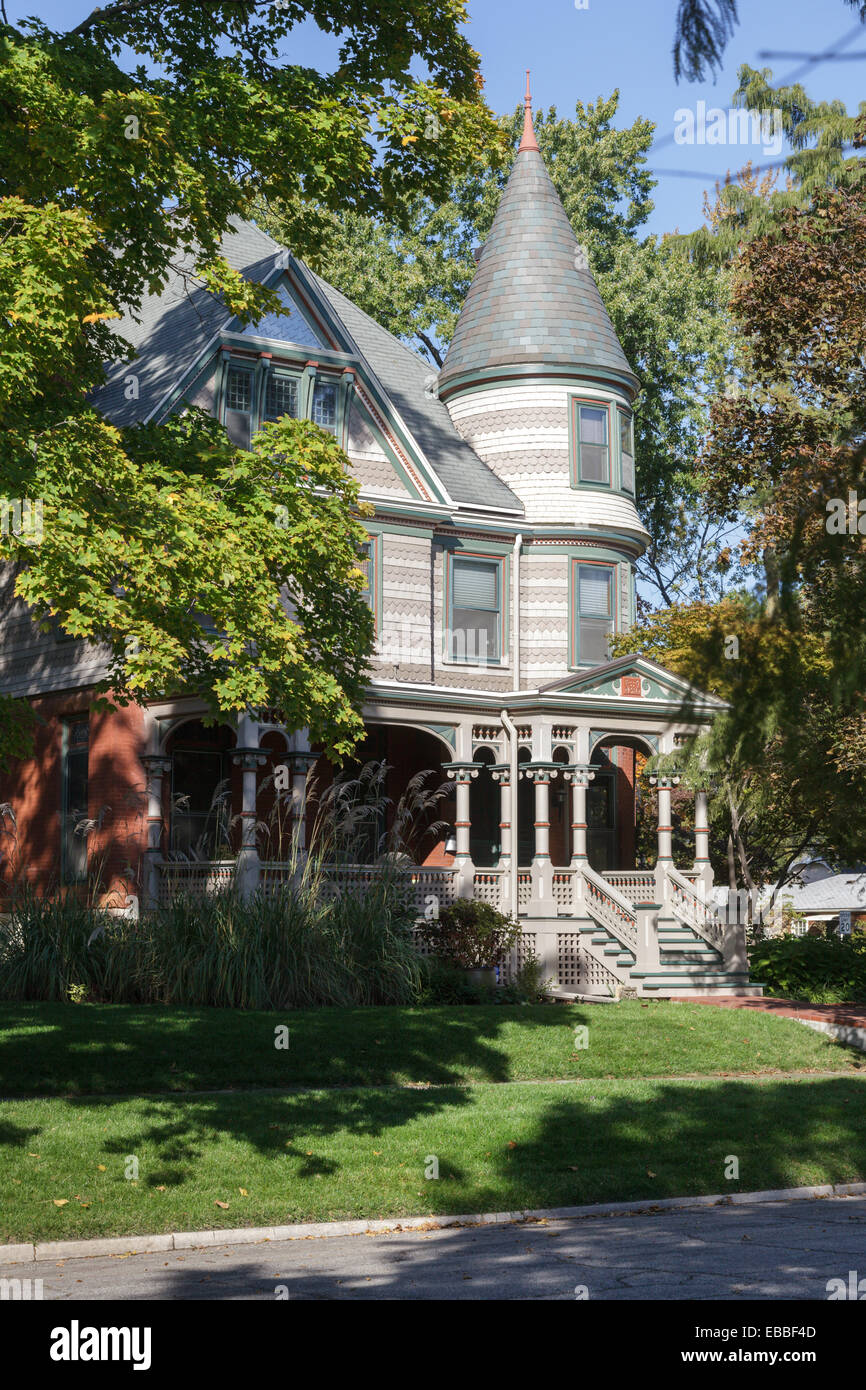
(581, 774)
(664, 781)
(249, 758)
(540, 772)
(155, 763)
(501, 772)
(461, 772)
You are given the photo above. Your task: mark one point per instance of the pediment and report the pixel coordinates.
(633, 678)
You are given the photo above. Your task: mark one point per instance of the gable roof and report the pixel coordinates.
(531, 302)
(178, 327)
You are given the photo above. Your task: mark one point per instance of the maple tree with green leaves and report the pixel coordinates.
(128, 145)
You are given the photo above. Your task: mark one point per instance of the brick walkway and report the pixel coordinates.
(852, 1015)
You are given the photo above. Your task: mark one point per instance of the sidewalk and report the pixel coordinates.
(848, 1015)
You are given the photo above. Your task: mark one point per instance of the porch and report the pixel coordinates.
(521, 834)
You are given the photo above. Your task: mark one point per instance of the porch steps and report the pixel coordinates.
(608, 945)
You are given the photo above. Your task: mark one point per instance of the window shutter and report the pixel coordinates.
(475, 585)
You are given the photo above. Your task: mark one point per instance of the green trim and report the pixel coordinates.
(629, 414)
(502, 559)
(491, 378)
(574, 607)
(375, 585)
(575, 404)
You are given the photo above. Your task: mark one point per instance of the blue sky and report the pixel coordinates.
(583, 53)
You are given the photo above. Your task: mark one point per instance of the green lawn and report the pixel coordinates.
(627, 1130)
(362, 1153)
(93, 1049)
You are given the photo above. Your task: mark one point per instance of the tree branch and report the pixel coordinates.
(431, 347)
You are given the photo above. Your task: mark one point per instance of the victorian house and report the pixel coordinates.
(501, 558)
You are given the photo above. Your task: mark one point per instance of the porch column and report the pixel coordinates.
(248, 757)
(501, 773)
(541, 774)
(156, 766)
(462, 774)
(703, 867)
(302, 761)
(579, 775)
(664, 785)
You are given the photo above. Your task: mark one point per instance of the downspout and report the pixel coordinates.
(512, 777)
(506, 719)
(515, 608)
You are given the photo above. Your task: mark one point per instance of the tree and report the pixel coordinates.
(781, 790)
(703, 29)
(164, 544)
(669, 312)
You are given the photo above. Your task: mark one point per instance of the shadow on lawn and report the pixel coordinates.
(682, 1136)
(55, 1049)
(670, 1140)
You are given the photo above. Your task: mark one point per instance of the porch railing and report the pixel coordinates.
(638, 885)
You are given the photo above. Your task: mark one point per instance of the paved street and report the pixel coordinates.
(777, 1250)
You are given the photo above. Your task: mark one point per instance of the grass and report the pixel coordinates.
(94, 1049)
(363, 1152)
(105, 1082)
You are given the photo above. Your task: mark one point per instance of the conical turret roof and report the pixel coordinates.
(532, 302)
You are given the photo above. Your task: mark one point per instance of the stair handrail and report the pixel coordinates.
(611, 907)
(698, 914)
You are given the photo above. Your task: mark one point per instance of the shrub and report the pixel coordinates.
(471, 934)
(817, 969)
(304, 947)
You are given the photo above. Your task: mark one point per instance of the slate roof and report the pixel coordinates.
(176, 327)
(406, 380)
(529, 302)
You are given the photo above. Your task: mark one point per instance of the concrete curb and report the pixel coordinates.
(842, 1032)
(254, 1235)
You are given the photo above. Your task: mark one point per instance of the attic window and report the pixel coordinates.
(239, 390)
(325, 407)
(281, 397)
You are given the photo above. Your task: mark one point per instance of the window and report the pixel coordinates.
(594, 617)
(593, 453)
(239, 390)
(73, 811)
(281, 397)
(239, 406)
(325, 407)
(476, 610)
(626, 451)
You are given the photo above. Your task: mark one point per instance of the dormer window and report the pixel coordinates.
(239, 406)
(239, 392)
(258, 392)
(281, 397)
(325, 407)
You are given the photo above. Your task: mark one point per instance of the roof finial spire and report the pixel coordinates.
(528, 140)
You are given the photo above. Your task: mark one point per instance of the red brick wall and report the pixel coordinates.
(31, 853)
